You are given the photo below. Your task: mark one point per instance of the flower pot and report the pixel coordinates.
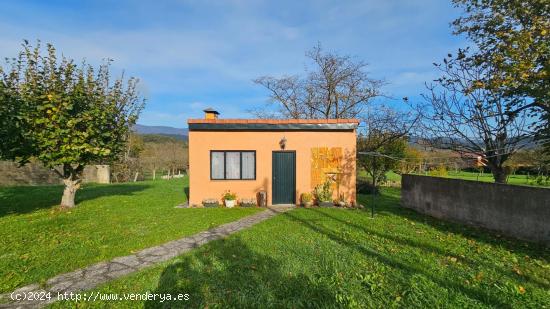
(308, 204)
(247, 205)
(342, 204)
(325, 204)
(229, 203)
(210, 203)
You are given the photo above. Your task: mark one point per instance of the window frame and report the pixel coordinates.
(225, 165)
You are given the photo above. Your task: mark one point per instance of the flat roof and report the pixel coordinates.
(272, 124)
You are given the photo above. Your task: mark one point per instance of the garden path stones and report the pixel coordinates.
(94, 275)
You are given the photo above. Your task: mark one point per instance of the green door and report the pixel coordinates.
(284, 177)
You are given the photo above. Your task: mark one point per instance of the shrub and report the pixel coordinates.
(364, 186)
(306, 197)
(440, 171)
(323, 193)
(228, 196)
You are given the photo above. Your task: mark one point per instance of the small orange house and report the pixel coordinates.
(284, 158)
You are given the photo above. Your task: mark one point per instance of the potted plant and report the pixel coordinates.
(307, 199)
(229, 199)
(323, 194)
(210, 203)
(250, 202)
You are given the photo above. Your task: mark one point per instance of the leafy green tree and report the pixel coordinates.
(380, 157)
(66, 115)
(381, 141)
(512, 39)
(534, 160)
(412, 161)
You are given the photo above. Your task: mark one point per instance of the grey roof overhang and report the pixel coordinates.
(272, 127)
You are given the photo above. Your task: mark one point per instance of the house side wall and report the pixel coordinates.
(264, 143)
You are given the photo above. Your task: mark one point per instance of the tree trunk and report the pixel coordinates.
(69, 193)
(72, 176)
(154, 174)
(499, 174)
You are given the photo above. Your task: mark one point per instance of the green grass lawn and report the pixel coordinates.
(38, 241)
(488, 177)
(390, 176)
(343, 258)
(485, 177)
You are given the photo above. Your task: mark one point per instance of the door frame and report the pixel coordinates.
(272, 175)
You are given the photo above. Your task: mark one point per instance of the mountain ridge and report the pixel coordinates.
(162, 130)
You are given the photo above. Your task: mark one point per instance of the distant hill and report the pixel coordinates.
(178, 133)
(163, 138)
(528, 143)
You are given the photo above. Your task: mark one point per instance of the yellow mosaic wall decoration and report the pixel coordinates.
(324, 160)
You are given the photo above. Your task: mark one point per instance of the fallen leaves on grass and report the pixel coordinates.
(479, 276)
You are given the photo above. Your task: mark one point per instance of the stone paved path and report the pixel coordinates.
(94, 275)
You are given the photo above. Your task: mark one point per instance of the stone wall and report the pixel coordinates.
(36, 174)
(517, 211)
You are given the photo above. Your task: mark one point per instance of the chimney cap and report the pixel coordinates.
(211, 110)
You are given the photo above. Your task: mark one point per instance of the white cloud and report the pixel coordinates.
(206, 53)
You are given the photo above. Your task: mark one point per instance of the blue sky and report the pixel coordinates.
(193, 54)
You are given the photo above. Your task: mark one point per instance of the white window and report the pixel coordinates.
(232, 164)
(248, 165)
(217, 165)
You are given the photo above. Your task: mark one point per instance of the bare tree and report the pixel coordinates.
(167, 155)
(151, 158)
(291, 96)
(176, 157)
(382, 139)
(128, 164)
(334, 87)
(468, 119)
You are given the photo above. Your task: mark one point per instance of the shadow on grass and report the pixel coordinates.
(26, 199)
(227, 273)
(410, 269)
(409, 240)
(391, 204)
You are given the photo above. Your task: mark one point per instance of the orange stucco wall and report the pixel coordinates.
(265, 142)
